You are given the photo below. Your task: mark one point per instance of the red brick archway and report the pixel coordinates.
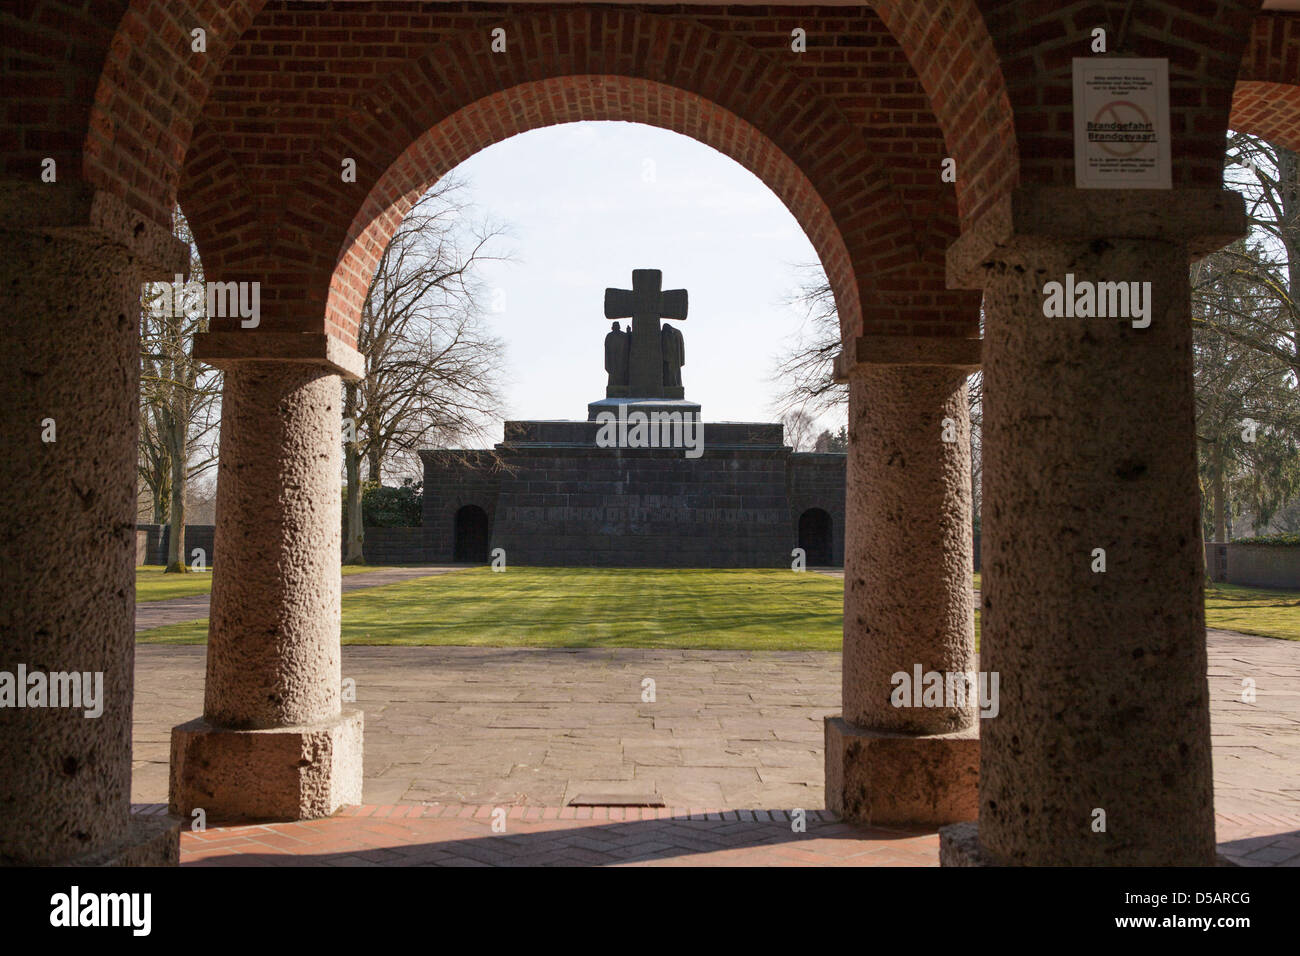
(573, 99)
(854, 184)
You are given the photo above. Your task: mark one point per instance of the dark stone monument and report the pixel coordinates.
(552, 494)
(673, 347)
(617, 346)
(646, 304)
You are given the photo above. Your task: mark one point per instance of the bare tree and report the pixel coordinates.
(806, 372)
(1264, 311)
(1247, 406)
(432, 368)
(799, 429)
(1246, 321)
(178, 397)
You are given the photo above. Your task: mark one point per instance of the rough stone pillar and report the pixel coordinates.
(1089, 447)
(274, 741)
(71, 266)
(907, 586)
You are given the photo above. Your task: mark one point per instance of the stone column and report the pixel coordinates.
(274, 741)
(907, 587)
(1100, 754)
(72, 261)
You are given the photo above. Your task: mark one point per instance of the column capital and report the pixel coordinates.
(918, 350)
(79, 212)
(1204, 219)
(307, 348)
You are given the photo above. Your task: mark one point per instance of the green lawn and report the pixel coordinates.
(152, 583)
(590, 607)
(1253, 611)
(620, 607)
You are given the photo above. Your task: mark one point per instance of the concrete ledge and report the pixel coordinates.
(251, 345)
(907, 350)
(284, 773)
(902, 779)
(1205, 219)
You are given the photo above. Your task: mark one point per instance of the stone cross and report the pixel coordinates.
(646, 304)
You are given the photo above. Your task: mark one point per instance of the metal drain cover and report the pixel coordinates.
(617, 800)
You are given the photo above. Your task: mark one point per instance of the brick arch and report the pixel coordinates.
(149, 94)
(566, 100)
(1206, 53)
(626, 65)
(1266, 99)
(1268, 110)
(952, 51)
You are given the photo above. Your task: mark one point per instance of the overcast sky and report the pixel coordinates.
(585, 204)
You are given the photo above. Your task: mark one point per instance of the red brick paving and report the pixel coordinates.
(461, 835)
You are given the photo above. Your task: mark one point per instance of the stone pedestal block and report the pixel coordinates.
(883, 778)
(283, 773)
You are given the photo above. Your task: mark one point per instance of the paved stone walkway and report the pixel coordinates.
(535, 727)
(150, 614)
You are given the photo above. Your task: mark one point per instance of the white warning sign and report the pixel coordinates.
(1121, 123)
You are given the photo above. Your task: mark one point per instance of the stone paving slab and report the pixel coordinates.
(193, 607)
(534, 726)
(464, 835)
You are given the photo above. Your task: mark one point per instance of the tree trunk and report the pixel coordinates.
(354, 530)
(354, 533)
(1288, 176)
(161, 494)
(176, 537)
(372, 453)
(1218, 491)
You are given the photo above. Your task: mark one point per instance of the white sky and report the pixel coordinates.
(581, 216)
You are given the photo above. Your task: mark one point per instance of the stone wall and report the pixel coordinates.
(396, 546)
(1253, 565)
(381, 546)
(152, 540)
(816, 480)
(452, 480)
(554, 498)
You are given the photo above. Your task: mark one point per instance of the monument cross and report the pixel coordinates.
(645, 303)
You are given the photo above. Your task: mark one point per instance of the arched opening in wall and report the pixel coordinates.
(471, 535)
(632, 546)
(815, 537)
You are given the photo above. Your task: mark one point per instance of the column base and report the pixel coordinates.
(150, 841)
(883, 778)
(283, 773)
(959, 845)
